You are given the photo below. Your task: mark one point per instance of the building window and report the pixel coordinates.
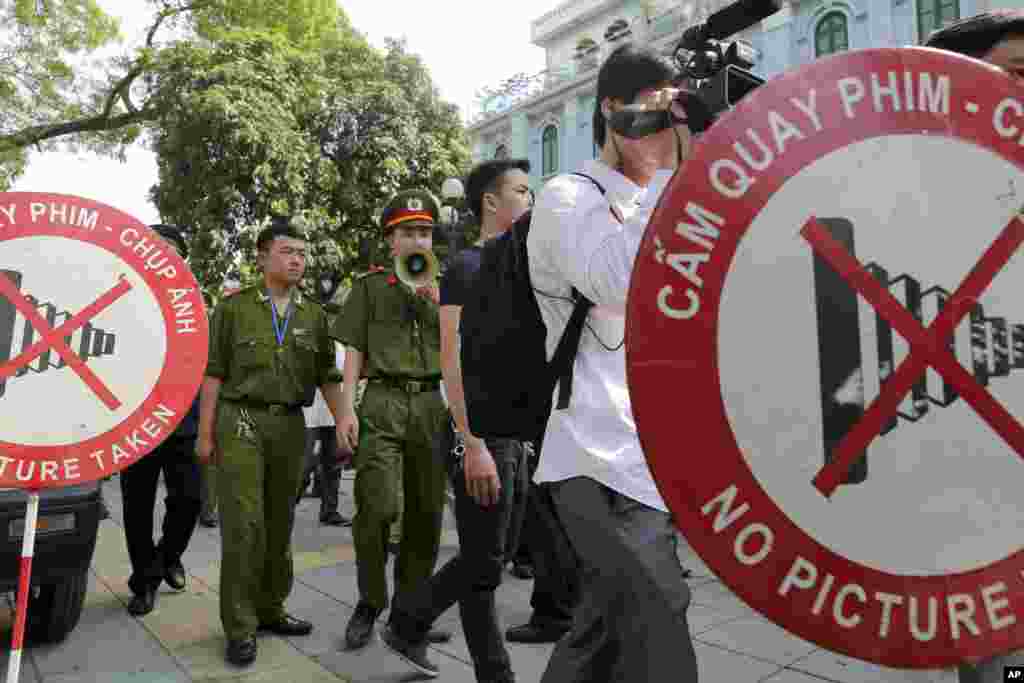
(501, 152)
(934, 14)
(831, 35)
(549, 151)
(617, 29)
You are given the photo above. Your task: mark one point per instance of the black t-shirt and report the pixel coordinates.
(460, 277)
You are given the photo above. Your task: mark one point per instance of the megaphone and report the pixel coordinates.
(417, 268)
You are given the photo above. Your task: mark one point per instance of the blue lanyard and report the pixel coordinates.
(279, 330)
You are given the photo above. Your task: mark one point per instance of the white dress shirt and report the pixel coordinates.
(319, 415)
(575, 241)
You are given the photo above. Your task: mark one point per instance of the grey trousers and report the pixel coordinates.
(630, 624)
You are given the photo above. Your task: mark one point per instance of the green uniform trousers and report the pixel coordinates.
(396, 443)
(260, 467)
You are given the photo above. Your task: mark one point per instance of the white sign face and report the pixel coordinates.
(134, 325)
(103, 340)
(940, 477)
(830, 289)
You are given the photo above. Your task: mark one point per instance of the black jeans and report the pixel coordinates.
(175, 457)
(472, 576)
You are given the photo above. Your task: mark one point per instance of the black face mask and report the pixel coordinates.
(633, 121)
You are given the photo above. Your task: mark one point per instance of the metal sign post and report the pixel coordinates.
(28, 543)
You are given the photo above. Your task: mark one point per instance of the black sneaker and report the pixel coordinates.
(414, 655)
(360, 626)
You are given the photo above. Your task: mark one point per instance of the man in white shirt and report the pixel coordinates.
(631, 622)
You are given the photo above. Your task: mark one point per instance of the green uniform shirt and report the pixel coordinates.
(398, 332)
(245, 355)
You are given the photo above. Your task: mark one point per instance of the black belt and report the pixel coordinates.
(272, 408)
(409, 386)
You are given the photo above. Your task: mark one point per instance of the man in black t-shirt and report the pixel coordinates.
(490, 476)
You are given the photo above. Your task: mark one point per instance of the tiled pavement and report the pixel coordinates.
(181, 639)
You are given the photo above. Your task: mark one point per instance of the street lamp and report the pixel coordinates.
(451, 193)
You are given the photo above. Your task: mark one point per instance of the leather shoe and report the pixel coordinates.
(360, 626)
(536, 632)
(175, 576)
(335, 519)
(242, 651)
(142, 603)
(288, 625)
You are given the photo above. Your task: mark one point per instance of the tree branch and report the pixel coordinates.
(119, 89)
(92, 124)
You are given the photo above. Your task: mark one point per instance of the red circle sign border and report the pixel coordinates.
(184, 361)
(660, 353)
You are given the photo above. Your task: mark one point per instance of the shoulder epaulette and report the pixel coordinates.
(233, 291)
(379, 270)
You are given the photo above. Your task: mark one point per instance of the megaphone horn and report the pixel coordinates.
(417, 268)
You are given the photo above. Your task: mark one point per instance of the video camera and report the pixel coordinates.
(719, 68)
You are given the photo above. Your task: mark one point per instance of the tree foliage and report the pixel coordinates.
(254, 108)
(261, 126)
(39, 81)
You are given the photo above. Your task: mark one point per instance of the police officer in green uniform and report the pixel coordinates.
(392, 334)
(269, 350)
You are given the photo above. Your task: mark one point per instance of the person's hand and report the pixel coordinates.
(206, 450)
(348, 431)
(482, 482)
(430, 292)
(343, 455)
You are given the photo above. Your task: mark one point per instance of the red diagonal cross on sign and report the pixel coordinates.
(927, 346)
(54, 338)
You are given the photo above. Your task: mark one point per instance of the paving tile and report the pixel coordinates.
(702, 618)
(205, 659)
(114, 677)
(848, 670)
(300, 671)
(184, 619)
(759, 638)
(337, 581)
(375, 664)
(104, 633)
(328, 557)
(791, 676)
(329, 618)
(722, 666)
(715, 596)
(528, 659)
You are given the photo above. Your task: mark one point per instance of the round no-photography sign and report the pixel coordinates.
(103, 340)
(826, 354)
